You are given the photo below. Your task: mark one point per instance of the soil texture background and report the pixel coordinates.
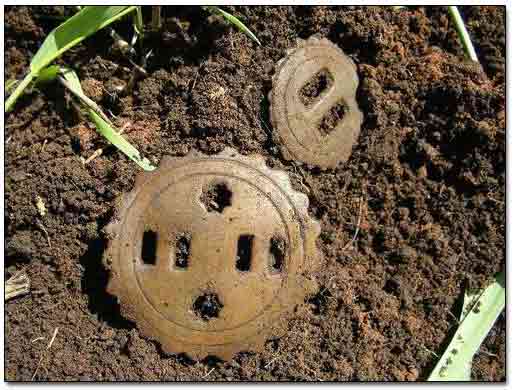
(424, 186)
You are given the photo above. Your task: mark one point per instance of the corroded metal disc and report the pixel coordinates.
(230, 242)
(297, 125)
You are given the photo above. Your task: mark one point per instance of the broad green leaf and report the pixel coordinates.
(233, 20)
(105, 128)
(456, 362)
(48, 74)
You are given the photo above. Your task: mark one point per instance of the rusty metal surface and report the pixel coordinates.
(194, 298)
(297, 125)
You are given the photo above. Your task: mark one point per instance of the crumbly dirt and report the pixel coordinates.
(216, 197)
(320, 82)
(424, 187)
(334, 116)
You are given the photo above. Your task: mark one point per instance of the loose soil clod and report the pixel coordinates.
(430, 162)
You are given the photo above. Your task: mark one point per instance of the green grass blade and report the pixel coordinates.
(102, 125)
(156, 17)
(456, 362)
(463, 33)
(469, 299)
(18, 91)
(119, 142)
(74, 30)
(233, 20)
(71, 81)
(138, 21)
(48, 74)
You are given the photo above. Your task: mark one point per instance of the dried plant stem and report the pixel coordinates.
(156, 21)
(18, 284)
(84, 99)
(43, 354)
(357, 226)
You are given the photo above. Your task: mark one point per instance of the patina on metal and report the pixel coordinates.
(296, 124)
(208, 254)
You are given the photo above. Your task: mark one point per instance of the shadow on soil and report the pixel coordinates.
(94, 284)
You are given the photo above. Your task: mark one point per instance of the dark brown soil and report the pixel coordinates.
(182, 251)
(332, 118)
(425, 187)
(216, 197)
(320, 82)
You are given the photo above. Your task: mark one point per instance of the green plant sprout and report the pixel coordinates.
(70, 80)
(138, 22)
(84, 23)
(73, 31)
(479, 313)
(463, 33)
(460, 28)
(233, 20)
(87, 21)
(156, 17)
